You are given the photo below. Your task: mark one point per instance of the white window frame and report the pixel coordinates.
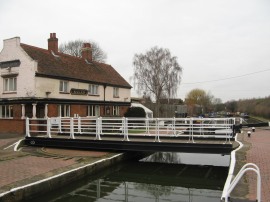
(6, 111)
(93, 110)
(63, 87)
(10, 84)
(64, 110)
(115, 92)
(116, 110)
(93, 89)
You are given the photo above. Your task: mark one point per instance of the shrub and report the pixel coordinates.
(135, 112)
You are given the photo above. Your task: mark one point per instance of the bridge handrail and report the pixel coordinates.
(155, 127)
(244, 169)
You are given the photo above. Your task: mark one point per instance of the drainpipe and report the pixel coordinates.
(104, 98)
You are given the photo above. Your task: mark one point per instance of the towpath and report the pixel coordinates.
(256, 149)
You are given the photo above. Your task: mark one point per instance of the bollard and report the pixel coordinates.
(249, 133)
(253, 129)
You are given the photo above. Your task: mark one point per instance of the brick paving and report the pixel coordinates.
(22, 168)
(8, 141)
(31, 164)
(259, 154)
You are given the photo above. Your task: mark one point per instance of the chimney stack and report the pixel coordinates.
(53, 43)
(87, 52)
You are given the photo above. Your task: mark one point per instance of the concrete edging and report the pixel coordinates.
(231, 169)
(51, 183)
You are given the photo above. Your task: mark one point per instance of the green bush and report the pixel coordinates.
(135, 112)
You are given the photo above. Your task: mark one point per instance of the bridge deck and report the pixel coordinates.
(136, 143)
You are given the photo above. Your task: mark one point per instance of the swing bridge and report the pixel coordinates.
(195, 135)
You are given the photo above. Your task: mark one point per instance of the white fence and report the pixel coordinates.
(173, 127)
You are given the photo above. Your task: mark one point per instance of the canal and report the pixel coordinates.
(163, 176)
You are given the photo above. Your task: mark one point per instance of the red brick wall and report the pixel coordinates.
(78, 109)
(17, 111)
(52, 110)
(12, 126)
(123, 110)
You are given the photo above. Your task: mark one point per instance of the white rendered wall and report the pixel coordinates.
(30, 86)
(26, 70)
(44, 85)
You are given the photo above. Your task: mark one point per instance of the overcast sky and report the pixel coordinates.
(214, 40)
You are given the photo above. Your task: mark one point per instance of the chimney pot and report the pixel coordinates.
(53, 43)
(87, 52)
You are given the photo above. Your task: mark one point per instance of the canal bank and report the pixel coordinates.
(19, 169)
(34, 171)
(256, 149)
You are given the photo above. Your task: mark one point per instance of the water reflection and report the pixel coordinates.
(148, 180)
(189, 158)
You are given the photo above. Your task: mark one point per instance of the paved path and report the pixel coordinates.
(259, 154)
(33, 164)
(29, 166)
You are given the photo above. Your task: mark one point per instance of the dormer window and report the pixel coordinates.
(93, 89)
(63, 87)
(10, 84)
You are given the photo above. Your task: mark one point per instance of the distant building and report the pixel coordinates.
(40, 83)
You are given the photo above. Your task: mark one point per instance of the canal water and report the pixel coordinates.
(163, 176)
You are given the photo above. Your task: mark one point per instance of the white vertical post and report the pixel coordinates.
(157, 130)
(123, 125)
(27, 125)
(79, 125)
(98, 129)
(23, 111)
(46, 111)
(34, 110)
(191, 130)
(60, 124)
(174, 129)
(126, 129)
(100, 125)
(49, 127)
(147, 125)
(72, 128)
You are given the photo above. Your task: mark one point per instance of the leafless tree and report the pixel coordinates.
(157, 73)
(74, 48)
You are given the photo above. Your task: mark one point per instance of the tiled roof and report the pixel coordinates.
(70, 67)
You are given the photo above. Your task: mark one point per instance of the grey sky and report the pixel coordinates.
(213, 39)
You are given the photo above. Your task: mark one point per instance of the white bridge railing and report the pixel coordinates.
(247, 167)
(156, 127)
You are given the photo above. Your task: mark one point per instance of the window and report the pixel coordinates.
(6, 111)
(93, 110)
(10, 84)
(93, 89)
(63, 88)
(115, 110)
(115, 92)
(64, 110)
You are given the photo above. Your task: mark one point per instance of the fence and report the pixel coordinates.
(157, 127)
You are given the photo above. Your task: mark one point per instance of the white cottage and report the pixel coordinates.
(40, 83)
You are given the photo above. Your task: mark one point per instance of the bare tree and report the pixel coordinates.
(157, 73)
(74, 48)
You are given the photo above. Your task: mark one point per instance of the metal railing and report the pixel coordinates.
(247, 167)
(156, 127)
